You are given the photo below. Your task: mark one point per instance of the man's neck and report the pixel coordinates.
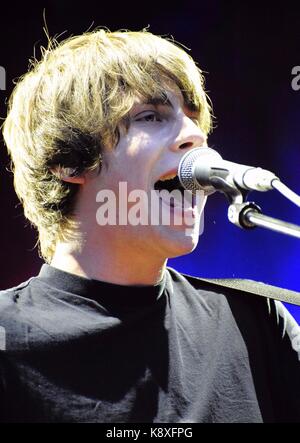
(121, 269)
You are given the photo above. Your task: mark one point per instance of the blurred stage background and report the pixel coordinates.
(248, 52)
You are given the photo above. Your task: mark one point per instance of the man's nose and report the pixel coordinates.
(190, 135)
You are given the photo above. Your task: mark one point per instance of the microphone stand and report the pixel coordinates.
(248, 215)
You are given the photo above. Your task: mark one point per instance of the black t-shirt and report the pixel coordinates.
(81, 350)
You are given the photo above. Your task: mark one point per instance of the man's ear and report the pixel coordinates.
(68, 175)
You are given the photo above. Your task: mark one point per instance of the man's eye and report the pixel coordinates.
(148, 117)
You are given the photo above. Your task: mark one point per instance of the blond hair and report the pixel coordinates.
(67, 109)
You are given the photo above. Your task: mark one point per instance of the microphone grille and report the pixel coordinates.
(185, 170)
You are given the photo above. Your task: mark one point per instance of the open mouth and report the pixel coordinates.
(169, 184)
(178, 196)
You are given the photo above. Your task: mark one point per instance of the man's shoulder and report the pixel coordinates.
(11, 295)
(209, 287)
(250, 303)
(12, 320)
(214, 297)
(233, 286)
(243, 297)
(16, 301)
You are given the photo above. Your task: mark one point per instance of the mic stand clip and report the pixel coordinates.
(248, 215)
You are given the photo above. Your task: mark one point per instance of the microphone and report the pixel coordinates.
(204, 169)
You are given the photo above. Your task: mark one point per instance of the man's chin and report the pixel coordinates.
(183, 245)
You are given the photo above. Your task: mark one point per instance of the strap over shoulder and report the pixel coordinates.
(257, 288)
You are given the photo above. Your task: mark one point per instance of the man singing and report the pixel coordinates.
(106, 332)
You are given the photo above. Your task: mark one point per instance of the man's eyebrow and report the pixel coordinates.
(191, 106)
(164, 101)
(159, 101)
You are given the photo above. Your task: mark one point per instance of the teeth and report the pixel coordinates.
(167, 177)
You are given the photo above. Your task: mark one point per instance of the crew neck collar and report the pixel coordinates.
(108, 294)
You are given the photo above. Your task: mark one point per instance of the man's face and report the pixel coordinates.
(149, 152)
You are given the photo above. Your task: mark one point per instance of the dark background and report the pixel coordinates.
(248, 50)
